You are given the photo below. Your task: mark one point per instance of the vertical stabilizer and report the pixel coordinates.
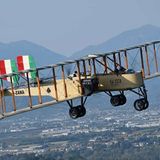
(8, 67)
(27, 62)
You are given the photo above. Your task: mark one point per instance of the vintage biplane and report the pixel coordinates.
(113, 73)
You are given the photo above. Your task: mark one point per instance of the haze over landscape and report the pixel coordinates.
(69, 26)
(53, 31)
(146, 33)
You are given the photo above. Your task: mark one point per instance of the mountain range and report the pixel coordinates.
(44, 56)
(126, 39)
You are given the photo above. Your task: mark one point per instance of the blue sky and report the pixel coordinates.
(66, 26)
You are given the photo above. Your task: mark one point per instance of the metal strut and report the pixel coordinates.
(83, 101)
(70, 103)
(142, 92)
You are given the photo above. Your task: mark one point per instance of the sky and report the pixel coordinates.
(67, 26)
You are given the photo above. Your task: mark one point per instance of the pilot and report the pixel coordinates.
(72, 75)
(75, 74)
(120, 70)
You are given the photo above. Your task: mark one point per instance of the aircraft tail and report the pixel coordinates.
(7, 67)
(27, 62)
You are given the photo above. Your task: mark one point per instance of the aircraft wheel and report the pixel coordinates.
(122, 99)
(115, 100)
(82, 110)
(141, 104)
(146, 104)
(74, 112)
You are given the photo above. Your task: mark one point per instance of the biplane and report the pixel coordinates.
(113, 73)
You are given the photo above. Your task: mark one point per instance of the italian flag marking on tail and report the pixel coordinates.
(25, 63)
(7, 67)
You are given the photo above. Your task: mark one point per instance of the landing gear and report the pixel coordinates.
(123, 99)
(141, 104)
(77, 111)
(82, 111)
(118, 100)
(74, 112)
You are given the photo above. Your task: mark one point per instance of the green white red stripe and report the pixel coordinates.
(7, 67)
(27, 62)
